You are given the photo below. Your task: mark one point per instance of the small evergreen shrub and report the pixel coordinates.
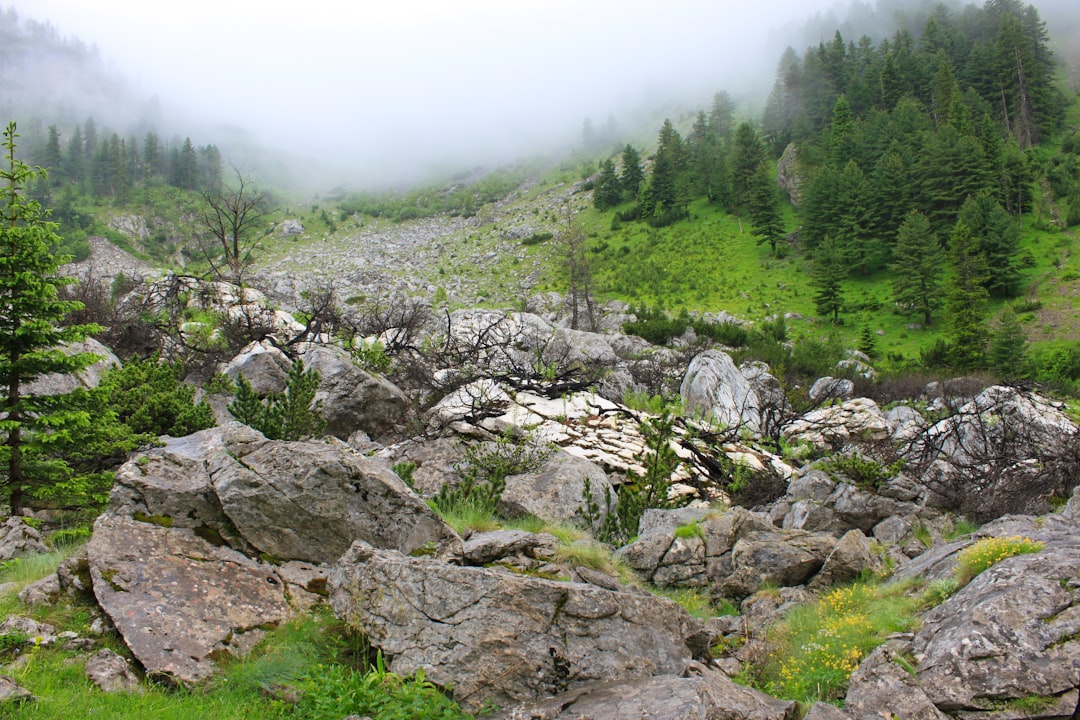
(290, 415)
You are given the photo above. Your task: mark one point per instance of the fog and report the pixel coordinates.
(385, 92)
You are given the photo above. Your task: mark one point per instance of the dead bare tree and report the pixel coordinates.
(235, 220)
(996, 455)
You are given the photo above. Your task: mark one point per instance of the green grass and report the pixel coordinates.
(818, 645)
(696, 601)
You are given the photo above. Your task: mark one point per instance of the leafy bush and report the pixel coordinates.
(989, 551)
(289, 415)
(333, 691)
(537, 238)
(864, 472)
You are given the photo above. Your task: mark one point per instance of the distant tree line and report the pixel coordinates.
(104, 165)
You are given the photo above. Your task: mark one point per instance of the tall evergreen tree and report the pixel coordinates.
(1007, 355)
(827, 279)
(606, 190)
(630, 173)
(965, 300)
(998, 236)
(747, 154)
(31, 329)
(918, 266)
(768, 225)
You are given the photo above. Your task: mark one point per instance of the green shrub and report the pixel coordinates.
(149, 396)
(290, 415)
(333, 691)
(864, 472)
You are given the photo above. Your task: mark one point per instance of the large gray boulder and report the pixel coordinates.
(496, 636)
(353, 399)
(88, 378)
(290, 500)
(831, 428)
(715, 389)
(556, 489)
(703, 694)
(309, 501)
(881, 687)
(1009, 634)
(263, 365)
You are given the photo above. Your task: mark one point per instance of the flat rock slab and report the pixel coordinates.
(707, 695)
(494, 636)
(177, 600)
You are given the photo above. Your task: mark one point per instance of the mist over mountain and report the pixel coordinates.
(380, 97)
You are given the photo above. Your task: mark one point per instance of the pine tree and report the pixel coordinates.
(630, 173)
(31, 317)
(606, 190)
(746, 155)
(827, 278)
(1007, 356)
(768, 225)
(965, 300)
(998, 236)
(919, 262)
(290, 415)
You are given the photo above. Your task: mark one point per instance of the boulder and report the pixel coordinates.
(715, 389)
(178, 600)
(310, 500)
(703, 694)
(12, 693)
(778, 558)
(110, 672)
(556, 489)
(495, 636)
(353, 399)
(289, 500)
(263, 365)
(89, 377)
(849, 559)
(487, 547)
(18, 537)
(788, 175)
(45, 591)
(831, 428)
(1009, 634)
(830, 388)
(882, 687)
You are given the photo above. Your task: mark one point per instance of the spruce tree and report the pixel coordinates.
(965, 301)
(827, 277)
(630, 173)
(919, 263)
(1007, 355)
(31, 331)
(606, 191)
(768, 225)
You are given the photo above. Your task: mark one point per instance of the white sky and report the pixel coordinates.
(405, 82)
